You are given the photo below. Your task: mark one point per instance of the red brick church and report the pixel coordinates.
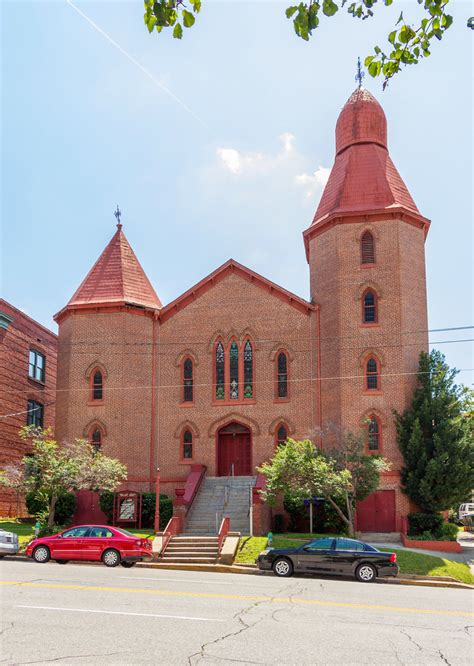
(210, 383)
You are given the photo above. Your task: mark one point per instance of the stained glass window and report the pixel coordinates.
(96, 439)
(367, 248)
(248, 370)
(97, 386)
(220, 374)
(234, 371)
(188, 445)
(282, 375)
(370, 308)
(374, 434)
(372, 376)
(188, 380)
(282, 434)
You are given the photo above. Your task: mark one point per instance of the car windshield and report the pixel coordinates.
(319, 544)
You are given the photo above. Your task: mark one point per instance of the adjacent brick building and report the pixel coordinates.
(27, 388)
(237, 363)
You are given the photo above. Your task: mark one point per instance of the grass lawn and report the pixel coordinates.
(409, 561)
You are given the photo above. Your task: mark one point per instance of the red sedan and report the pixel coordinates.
(93, 543)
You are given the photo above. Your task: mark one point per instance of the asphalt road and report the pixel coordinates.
(88, 614)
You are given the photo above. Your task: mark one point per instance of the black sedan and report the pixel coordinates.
(330, 556)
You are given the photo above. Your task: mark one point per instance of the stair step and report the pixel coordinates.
(184, 560)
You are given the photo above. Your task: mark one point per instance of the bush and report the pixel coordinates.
(48, 531)
(106, 501)
(63, 512)
(295, 509)
(449, 532)
(279, 523)
(418, 523)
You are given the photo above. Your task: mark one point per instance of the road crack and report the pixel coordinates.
(69, 656)
(441, 655)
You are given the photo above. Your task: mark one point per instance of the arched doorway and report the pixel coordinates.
(233, 450)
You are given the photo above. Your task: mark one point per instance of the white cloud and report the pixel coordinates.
(238, 162)
(313, 183)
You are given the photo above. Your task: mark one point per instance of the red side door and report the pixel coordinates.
(377, 512)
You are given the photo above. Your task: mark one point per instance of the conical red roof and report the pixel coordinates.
(116, 278)
(363, 178)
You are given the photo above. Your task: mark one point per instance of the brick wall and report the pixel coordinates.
(16, 388)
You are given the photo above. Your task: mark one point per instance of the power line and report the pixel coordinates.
(382, 375)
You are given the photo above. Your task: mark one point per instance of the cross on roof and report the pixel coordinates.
(360, 74)
(118, 214)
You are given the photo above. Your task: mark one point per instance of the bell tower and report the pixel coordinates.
(365, 249)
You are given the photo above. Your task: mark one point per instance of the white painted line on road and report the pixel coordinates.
(187, 580)
(107, 612)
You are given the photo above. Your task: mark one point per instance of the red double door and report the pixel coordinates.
(233, 452)
(377, 512)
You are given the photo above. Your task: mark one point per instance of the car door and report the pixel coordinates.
(345, 555)
(314, 557)
(68, 546)
(95, 542)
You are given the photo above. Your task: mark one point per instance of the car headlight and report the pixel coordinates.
(266, 551)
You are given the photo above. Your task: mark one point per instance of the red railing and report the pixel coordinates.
(172, 529)
(193, 483)
(223, 532)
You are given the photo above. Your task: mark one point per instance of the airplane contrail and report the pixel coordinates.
(137, 64)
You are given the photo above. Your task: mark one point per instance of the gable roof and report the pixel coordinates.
(116, 278)
(233, 267)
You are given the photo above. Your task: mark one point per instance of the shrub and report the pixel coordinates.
(63, 512)
(418, 523)
(449, 532)
(48, 531)
(295, 509)
(279, 523)
(106, 502)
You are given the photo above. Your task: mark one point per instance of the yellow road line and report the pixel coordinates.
(239, 597)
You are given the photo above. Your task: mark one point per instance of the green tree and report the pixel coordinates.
(52, 469)
(341, 476)
(407, 43)
(435, 438)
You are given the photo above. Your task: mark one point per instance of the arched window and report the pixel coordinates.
(220, 371)
(188, 380)
(372, 382)
(187, 450)
(367, 248)
(281, 434)
(234, 371)
(96, 438)
(97, 386)
(373, 439)
(248, 370)
(369, 314)
(282, 375)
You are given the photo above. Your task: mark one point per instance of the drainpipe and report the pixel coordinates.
(156, 527)
(153, 390)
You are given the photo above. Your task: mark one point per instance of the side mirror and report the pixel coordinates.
(59, 536)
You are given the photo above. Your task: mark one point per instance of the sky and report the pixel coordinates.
(215, 146)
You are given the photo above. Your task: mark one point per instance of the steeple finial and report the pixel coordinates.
(118, 214)
(360, 74)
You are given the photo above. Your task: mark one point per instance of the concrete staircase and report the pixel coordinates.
(189, 549)
(220, 496)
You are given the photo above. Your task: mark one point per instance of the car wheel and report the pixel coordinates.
(128, 565)
(62, 561)
(282, 567)
(366, 573)
(111, 558)
(41, 554)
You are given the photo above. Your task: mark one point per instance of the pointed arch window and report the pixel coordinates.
(187, 445)
(372, 379)
(281, 434)
(96, 438)
(367, 248)
(373, 438)
(97, 387)
(188, 388)
(220, 371)
(234, 370)
(248, 370)
(282, 376)
(369, 307)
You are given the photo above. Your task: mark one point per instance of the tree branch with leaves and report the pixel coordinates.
(407, 43)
